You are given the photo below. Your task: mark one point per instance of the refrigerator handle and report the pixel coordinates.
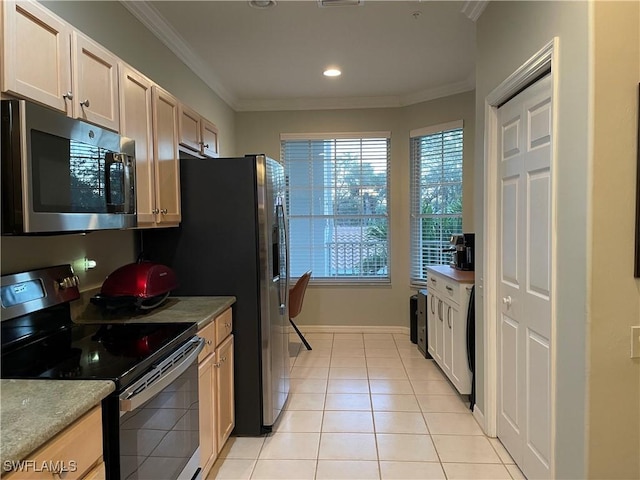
(284, 295)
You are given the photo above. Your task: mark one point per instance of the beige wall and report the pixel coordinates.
(110, 24)
(507, 35)
(614, 378)
(381, 306)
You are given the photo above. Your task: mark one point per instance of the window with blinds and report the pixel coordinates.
(436, 195)
(337, 199)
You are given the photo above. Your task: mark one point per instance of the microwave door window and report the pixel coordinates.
(69, 176)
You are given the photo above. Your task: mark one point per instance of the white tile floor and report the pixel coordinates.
(368, 406)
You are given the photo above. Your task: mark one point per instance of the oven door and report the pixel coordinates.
(158, 425)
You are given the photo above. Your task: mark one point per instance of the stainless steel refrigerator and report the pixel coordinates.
(233, 241)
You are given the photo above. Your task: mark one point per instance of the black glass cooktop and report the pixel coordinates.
(43, 347)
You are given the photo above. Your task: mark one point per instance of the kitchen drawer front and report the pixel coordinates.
(450, 291)
(209, 335)
(78, 447)
(435, 282)
(224, 325)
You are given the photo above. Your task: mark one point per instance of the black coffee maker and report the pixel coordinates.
(463, 256)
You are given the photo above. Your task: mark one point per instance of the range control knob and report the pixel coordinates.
(68, 282)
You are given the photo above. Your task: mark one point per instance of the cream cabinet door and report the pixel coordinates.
(37, 55)
(190, 135)
(207, 414)
(165, 152)
(136, 123)
(95, 80)
(225, 391)
(210, 146)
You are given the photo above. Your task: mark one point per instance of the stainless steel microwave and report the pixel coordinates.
(63, 175)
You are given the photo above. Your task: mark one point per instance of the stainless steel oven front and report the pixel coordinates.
(61, 174)
(151, 427)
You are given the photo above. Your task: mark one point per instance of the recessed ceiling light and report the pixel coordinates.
(262, 3)
(332, 72)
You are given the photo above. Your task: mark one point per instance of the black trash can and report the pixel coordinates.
(413, 318)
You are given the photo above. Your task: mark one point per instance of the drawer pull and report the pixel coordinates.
(449, 288)
(209, 342)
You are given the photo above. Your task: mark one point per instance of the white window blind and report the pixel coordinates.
(436, 195)
(337, 199)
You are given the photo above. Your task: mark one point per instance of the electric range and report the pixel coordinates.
(153, 365)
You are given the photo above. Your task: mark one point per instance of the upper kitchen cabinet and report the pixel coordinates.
(197, 133)
(46, 61)
(157, 184)
(95, 80)
(165, 152)
(136, 117)
(36, 55)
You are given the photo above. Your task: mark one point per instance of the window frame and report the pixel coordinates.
(415, 167)
(346, 280)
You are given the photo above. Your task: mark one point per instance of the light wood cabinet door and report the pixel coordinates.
(98, 473)
(136, 123)
(225, 391)
(95, 80)
(210, 146)
(37, 55)
(190, 134)
(207, 414)
(165, 149)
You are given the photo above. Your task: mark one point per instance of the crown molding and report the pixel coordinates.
(473, 9)
(344, 103)
(156, 23)
(439, 92)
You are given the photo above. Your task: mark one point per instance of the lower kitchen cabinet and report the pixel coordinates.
(224, 384)
(216, 392)
(77, 451)
(207, 413)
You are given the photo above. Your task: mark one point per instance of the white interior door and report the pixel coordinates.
(524, 278)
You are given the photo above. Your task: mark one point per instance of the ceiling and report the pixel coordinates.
(391, 53)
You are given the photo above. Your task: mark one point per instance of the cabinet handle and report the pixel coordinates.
(507, 301)
(449, 288)
(432, 309)
(205, 145)
(209, 342)
(449, 317)
(68, 96)
(433, 280)
(440, 310)
(164, 211)
(86, 103)
(227, 325)
(155, 211)
(217, 364)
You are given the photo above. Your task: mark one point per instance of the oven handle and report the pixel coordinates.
(161, 376)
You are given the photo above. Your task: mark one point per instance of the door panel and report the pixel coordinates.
(525, 286)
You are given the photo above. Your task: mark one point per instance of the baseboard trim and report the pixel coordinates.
(479, 416)
(352, 329)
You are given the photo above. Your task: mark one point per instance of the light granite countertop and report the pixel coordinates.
(33, 411)
(201, 310)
